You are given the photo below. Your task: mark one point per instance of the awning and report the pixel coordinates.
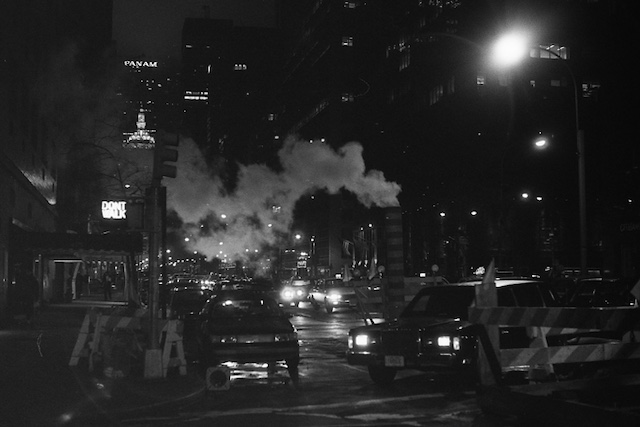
(70, 245)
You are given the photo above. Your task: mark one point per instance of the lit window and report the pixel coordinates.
(350, 4)
(406, 60)
(239, 67)
(436, 94)
(532, 83)
(347, 41)
(550, 51)
(590, 89)
(347, 97)
(480, 80)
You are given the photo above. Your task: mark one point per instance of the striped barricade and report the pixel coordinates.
(173, 348)
(91, 342)
(558, 321)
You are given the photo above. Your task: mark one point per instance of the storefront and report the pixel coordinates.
(72, 266)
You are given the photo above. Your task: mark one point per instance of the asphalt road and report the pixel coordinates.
(38, 388)
(331, 392)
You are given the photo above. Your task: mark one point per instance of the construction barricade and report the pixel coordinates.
(609, 396)
(114, 341)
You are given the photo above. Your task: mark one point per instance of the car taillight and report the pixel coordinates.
(448, 341)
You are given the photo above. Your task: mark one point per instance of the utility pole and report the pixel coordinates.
(165, 151)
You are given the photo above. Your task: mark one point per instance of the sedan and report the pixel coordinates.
(433, 331)
(247, 326)
(185, 304)
(332, 294)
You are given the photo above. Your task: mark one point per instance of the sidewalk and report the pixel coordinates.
(116, 398)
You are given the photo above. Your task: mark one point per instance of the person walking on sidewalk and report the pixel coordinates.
(107, 283)
(28, 292)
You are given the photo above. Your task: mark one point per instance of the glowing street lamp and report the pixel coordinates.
(510, 50)
(541, 142)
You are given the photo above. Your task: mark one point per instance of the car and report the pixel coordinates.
(185, 281)
(332, 294)
(185, 304)
(295, 291)
(433, 331)
(602, 292)
(247, 326)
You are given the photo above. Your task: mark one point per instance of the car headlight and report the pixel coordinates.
(448, 341)
(287, 294)
(361, 340)
(290, 336)
(300, 292)
(223, 339)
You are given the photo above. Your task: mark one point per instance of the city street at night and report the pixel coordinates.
(41, 389)
(319, 213)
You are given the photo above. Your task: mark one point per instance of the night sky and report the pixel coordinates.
(153, 27)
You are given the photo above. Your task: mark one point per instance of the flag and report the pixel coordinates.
(635, 291)
(486, 295)
(346, 247)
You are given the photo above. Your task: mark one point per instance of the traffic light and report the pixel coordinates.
(166, 150)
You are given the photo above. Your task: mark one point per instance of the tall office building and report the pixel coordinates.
(411, 80)
(229, 75)
(44, 43)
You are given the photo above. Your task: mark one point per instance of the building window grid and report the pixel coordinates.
(550, 51)
(347, 41)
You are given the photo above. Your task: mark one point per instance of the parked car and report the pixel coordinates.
(602, 292)
(185, 304)
(247, 326)
(332, 294)
(433, 331)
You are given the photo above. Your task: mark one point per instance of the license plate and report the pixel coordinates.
(248, 339)
(395, 361)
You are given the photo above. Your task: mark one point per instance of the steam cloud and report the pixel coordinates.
(261, 207)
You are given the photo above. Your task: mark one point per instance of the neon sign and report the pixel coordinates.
(114, 209)
(141, 64)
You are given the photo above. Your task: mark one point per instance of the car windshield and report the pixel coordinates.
(241, 307)
(445, 301)
(194, 299)
(339, 284)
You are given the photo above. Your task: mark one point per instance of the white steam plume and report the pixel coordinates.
(262, 205)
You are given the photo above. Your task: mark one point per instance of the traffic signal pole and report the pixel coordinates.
(153, 355)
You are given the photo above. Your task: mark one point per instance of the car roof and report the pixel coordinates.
(241, 293)
(500, 282)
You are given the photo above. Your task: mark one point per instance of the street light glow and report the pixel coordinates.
(510, 49)
(541, 142)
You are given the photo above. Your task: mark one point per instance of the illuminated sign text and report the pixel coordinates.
(114, 210)
(141, 64)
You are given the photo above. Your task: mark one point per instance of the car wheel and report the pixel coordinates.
(382, 375)
(328, 306)
(292, 368)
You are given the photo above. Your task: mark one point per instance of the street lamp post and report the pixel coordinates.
(511, 49)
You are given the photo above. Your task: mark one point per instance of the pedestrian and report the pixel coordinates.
(107, 283)
(81, 284)
(28, 292)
